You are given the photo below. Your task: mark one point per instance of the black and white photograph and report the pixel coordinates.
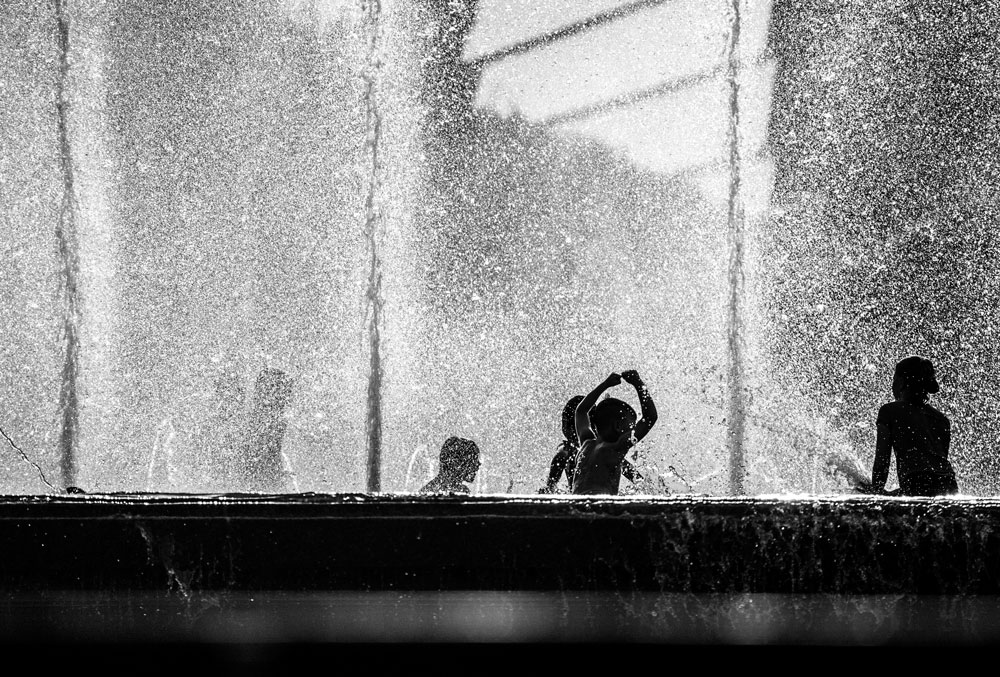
(499, 335)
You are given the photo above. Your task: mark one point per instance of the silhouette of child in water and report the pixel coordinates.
(919, 434)
(615, 430)
(458, 463)
(565, 459)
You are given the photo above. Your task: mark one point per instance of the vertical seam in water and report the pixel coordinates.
(66, 237)
(373, 228)
(737, 395)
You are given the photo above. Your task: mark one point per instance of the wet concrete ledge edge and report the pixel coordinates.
(690, 544)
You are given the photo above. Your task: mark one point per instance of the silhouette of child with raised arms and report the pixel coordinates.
(565, 459)
(615, 430)
(458, 463)
(919, 434)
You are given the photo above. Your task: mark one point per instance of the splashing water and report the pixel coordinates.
(66, 239)
(162, 474)
(421, 457)
(26, 459)
(447, 218)
(373, 233)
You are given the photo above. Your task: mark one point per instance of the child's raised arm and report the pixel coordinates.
(582, 417)
(643, 426)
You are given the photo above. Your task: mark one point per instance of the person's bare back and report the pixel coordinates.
(598, 469)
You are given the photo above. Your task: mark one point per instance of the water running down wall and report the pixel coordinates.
(201, 545)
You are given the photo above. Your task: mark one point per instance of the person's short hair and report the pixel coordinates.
(458, 452)
(916, 374)
(610, 410)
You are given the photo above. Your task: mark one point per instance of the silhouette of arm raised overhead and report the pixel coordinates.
(648, 408)
(583, 429)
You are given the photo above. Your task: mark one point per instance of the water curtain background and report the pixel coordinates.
(433, 219)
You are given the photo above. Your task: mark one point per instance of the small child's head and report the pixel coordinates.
(914, 375)
(612, 418)
(569, 419)
(459, 459)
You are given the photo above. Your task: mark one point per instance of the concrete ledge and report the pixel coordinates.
(311, 542)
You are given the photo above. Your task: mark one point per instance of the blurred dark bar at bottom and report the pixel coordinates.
(277, 618)
(235, 576)
(270, 632)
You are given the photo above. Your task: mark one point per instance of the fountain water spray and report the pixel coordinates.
(66, 239)
(422, 455)
(373, 232)
(24, 457)
(163, 452)
(737, 404)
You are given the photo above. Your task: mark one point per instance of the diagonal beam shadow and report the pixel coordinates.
(690, 172)
(634, 97)
(583, 26)
(644, 94)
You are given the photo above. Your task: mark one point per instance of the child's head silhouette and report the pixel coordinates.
(915, 376)
(459, 459)
(611, 418)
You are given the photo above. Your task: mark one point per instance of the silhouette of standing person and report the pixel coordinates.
(458, 463)
(564, 462)
(916, 432)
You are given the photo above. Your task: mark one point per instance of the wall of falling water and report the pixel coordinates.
(880, 240)
(426, 221)
(374, 234)
(567, 254)
(67, 246)
(231, 144)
